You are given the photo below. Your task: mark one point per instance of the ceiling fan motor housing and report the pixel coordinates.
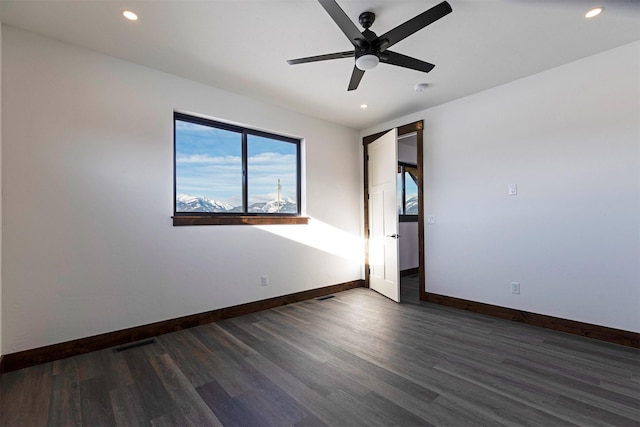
(367, 52)
(367, 19)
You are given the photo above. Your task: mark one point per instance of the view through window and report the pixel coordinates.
(407, 190)
(222, 169)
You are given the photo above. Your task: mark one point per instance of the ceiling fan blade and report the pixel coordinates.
(356, 76)
(342, 20)
(417, 23)
(337, 55)
(401, 60)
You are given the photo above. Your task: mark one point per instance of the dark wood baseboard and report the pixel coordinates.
(602, 333)
(36, 356)
(409, 271)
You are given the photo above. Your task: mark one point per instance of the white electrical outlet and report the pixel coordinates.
(515, 288)
(264, 280)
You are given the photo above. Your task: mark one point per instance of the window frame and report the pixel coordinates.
(402, 217)
(244, 217)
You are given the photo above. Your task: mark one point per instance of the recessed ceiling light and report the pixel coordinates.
(363, 106)
(421, 87)
(594, 12)
(131, 16)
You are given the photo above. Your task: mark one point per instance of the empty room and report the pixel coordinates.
(319, 213)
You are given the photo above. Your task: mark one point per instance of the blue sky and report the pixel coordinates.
(209, 164)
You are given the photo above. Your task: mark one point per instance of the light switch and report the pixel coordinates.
(431, 219)
(513, 189)
(515, 288)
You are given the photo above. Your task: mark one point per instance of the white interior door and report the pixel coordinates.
(384, 276)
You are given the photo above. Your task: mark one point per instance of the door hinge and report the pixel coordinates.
(368, 196)
(369, 233)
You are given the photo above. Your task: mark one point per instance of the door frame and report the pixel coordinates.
(416, 127)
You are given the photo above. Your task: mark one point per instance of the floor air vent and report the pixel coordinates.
(134, 345)
(324, 298)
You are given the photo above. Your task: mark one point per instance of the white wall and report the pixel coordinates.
(408, 246)
(570, 139)
(407, 153)
(88, 242)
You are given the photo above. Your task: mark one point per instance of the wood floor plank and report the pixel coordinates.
(274, 405)
(359, 413)
(25, 396)
(357, 369)
(208, 337)
(310, 421)
(448, 412)
(229, 341)
(229, 373)
(127, 408)
(511, 387)
(97, 409)
(295, 361)
(596, 414)
(595, 396)
(480, 399)
(152, 395)
(192, 410)
(13, 390)
(269, 399)
(172, 419)
(371, 410)
(310, 399)
(393, 411)
(191, 355)
(228, 410)
(65, 408)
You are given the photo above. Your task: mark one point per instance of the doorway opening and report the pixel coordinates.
(411, 135)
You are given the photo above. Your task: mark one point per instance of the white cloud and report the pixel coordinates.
(206, 159)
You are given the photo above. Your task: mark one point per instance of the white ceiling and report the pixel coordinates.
(243, 45)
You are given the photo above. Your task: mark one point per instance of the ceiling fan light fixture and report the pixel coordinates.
(367, 62)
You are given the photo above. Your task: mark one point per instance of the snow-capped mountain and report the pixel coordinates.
(412, 205)
(286, 206)
(187, 203)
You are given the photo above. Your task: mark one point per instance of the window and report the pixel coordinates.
(407, 192)
(225, 174)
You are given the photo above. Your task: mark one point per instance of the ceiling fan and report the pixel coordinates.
(370, 49)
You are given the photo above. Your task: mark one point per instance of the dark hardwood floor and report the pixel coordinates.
(410, 289)
(354, 359)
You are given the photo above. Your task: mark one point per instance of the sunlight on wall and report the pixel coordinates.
(322, 236)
